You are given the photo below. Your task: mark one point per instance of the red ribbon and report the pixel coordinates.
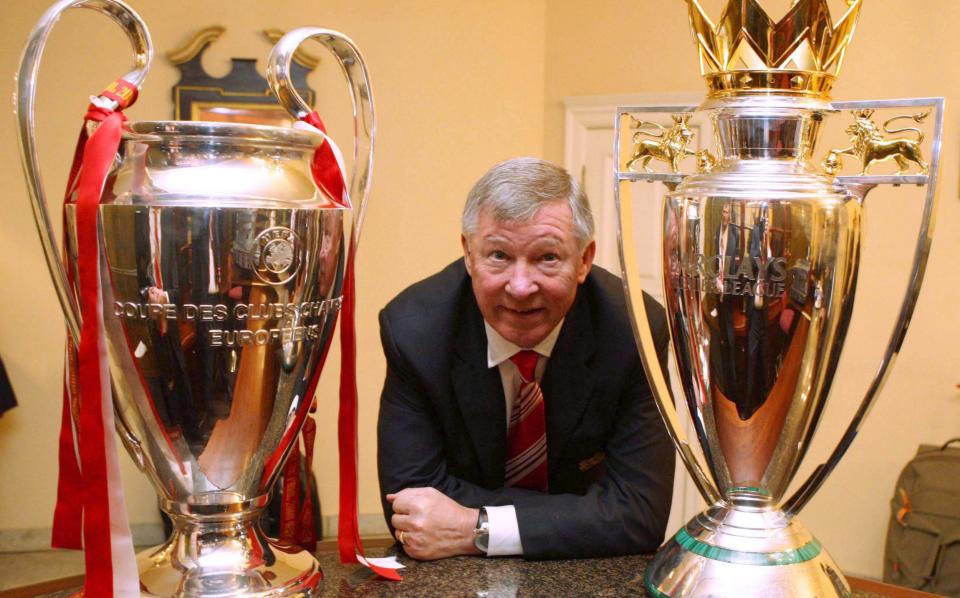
(325, 167)
(122, 92)
(90, 479)
(330, 178)
(298, 526)
(290, 498)
(348, 534)
(307, 538)
(68, 514)
(98, 156)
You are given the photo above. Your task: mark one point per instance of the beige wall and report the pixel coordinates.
(634, 47)
(459, 86)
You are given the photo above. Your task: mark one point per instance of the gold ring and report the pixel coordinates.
(400, 537)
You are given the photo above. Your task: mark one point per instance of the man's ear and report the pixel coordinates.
(586, 261)
(466, 253)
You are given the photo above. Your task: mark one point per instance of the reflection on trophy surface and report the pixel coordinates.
(219, 318)
(761, 251)
(221, 267)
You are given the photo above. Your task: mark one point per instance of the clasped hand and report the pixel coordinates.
(434, 525)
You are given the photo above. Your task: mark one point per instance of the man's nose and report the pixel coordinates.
(522, 282)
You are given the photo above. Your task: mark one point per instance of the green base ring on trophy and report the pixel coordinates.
(761, 254)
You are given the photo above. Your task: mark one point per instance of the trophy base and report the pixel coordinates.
(226, 555)
(736, 550)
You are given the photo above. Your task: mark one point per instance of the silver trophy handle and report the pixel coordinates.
(24, 103)
(860, 186)
(659, 386)
(355, 70)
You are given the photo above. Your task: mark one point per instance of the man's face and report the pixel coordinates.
(525, 274)
(725, 215)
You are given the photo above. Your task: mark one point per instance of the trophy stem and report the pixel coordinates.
(219, 549)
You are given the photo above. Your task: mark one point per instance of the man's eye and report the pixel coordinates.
(550, 258)
(498, 255)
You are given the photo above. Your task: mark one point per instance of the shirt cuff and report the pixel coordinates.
(504, 531)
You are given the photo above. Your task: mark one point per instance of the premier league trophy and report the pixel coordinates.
(221, 264)
(761, 250)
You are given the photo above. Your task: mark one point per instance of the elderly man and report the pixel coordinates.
(515, 417)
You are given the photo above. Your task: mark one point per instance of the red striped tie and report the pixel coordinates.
(527, 432)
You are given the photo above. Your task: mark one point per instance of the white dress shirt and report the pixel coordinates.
(502, 521)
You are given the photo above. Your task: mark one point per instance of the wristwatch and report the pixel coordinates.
(481, 535)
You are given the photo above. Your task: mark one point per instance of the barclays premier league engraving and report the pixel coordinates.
(760, 254)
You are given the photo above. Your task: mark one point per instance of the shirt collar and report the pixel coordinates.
(500, 349)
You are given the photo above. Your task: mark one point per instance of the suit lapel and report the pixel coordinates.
(479, 392)
(567, 381)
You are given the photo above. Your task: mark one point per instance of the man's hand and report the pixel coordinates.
(434, 526)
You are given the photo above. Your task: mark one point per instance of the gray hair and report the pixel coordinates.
(513, 191)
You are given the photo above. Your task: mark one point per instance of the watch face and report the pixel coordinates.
(482, 539)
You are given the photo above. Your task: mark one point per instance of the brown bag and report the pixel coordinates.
(923, 538)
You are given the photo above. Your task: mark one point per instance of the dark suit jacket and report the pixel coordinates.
(729, 265)
(443, 418)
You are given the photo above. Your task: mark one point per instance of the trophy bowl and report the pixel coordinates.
(760, 255)
(221, 258)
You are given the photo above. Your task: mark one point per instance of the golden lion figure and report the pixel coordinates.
(870, 146)
(667, 145)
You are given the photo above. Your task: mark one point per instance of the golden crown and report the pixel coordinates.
(746, 52)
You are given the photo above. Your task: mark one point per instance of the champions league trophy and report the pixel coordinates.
(761, 250)
(221, 269)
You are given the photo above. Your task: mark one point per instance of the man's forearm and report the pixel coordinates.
(472, 495)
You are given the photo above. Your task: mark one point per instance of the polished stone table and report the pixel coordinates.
(496, 578)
